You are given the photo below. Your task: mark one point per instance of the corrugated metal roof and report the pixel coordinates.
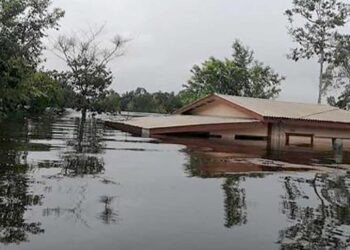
(182, 120)
(290, 110)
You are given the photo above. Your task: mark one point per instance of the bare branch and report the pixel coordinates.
(87, 57)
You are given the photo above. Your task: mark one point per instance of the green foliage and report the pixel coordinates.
(318, 34)
(166, 102)
(89, 85)
(140, 100)
(342, 56)
(343, 100)
(108, 103)
(339, 74)
(87, 60)
(40, 91)
(68, 99)
(23, 24)
(239, 75)
(33, 94)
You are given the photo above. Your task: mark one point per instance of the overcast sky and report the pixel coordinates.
(170, 36)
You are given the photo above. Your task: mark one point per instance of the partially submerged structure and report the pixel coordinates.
(278, 124)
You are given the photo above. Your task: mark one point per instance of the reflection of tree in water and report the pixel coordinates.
(235, 202)
(89, 135)
(324, 226)
(82, 157)
(41, 127)
(83, 160)
(194, 166)
(80, 165)
(74, 213)
(235, 196)
(14, 202)
(15, 195)
(86, 143)
(108, 215)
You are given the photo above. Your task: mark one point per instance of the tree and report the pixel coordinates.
(166, 102)
(339, 74)
(318, 34)
(87, 60)
(40, 91)
(140, 100)
(23, 24)
(68, 96)
(107, 103)
(240, 75)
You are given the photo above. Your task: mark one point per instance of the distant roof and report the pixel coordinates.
(267, 108)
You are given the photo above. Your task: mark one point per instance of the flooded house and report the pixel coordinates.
(250, 121)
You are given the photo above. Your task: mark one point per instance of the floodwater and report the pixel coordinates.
(64, 187)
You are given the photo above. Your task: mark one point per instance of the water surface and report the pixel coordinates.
(64, 187)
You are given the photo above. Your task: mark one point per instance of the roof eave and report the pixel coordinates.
(309, 123)
(193, 105)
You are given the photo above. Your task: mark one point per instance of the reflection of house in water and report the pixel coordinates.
(202, 165)
(317, 206)
(279, 125)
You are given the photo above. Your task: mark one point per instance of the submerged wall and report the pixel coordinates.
(321, 137)
(259, 130)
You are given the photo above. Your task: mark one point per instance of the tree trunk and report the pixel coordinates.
(320, 84)
(83, 115)
(81, 130)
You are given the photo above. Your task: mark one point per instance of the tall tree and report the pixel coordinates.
(239, 75)
(88, 61)
(140, 100)
(339, 74)
(40, 91)
(108, 103)
(23, 24)
(318, 33)
(166, 102)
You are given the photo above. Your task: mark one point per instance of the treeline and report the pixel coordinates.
(26, 87)
(139, 100)
(23, 85)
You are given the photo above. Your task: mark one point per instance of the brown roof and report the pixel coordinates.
(278, 109)
(183, 120)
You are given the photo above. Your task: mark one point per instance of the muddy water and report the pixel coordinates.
(68, 186)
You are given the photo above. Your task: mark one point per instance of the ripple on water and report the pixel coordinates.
(64, 185)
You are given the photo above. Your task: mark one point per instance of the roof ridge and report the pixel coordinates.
(318, 113)
(274, 100)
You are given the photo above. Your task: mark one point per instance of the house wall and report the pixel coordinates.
(219, 109)
(259, 130)
(322, 136)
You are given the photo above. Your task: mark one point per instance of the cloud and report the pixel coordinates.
(169, 36)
